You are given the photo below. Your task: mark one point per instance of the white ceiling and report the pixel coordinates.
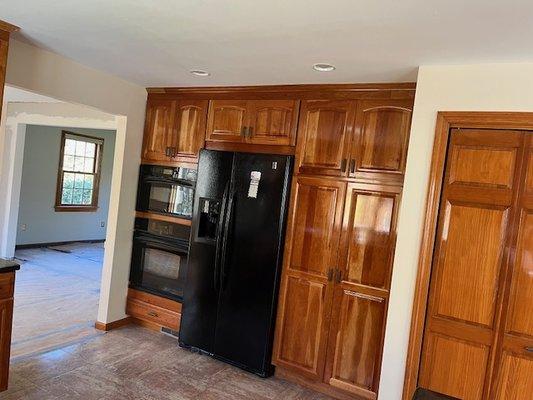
(241, 42)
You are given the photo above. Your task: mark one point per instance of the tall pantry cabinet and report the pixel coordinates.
(341, 235)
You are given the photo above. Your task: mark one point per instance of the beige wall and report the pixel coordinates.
(489, 87)
(49, 74)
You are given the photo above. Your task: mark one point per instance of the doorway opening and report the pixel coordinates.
(59, 159)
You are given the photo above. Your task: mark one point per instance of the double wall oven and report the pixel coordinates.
(161, 245)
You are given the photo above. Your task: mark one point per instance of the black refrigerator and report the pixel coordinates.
(236, 250)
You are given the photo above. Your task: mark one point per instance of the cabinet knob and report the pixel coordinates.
(153, 314)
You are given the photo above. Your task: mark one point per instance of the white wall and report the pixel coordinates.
(49, 74)
(489, 87)
(38, 222)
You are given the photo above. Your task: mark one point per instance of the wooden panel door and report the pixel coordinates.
(514, 362)
(189, 128)
(227, 120)
(324, 138)
(158, 133)
(469, 260)
(306, 289)
(382, 133)
(365, 264)
(6, 316)
(272, 122)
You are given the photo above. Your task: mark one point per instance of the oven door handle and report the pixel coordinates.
(226, 239)
(177, 182)
(219, 236)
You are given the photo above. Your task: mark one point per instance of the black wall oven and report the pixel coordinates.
(166, 190)
(159, 260)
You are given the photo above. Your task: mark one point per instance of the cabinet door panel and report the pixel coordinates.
(358, 342)
(305, 300)
(452, 361)
(382, 130)
(273, 122)
(158, 134)
(370, 235)
(226, 120)
(6, 316)
(325, 134)
(515, 381)
(190, 125)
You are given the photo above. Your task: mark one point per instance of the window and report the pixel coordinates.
(79, 172)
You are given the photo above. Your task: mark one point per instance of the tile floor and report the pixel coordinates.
(56, 296)
(135, 363)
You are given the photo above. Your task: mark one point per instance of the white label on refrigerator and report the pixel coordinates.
(255, 177)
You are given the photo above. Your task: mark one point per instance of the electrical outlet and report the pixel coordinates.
(23, 227)
(102, 224)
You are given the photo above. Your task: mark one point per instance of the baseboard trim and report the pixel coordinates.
(101, 326)
(48, 244)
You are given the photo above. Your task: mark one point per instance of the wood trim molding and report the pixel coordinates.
(7, 27)
(400, 90)
(445, 122)
(101, 326)
(162, 217)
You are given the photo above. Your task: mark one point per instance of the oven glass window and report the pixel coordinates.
(161, 271)
(173, 199)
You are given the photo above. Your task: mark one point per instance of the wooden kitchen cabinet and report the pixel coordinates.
(260, 122)
(381, 136)
(325, 137)
(307, 288)
(7, 286)
(174, 130)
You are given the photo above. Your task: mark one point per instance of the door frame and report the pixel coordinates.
(446, 120)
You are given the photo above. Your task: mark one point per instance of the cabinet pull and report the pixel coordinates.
(352, 166)
(174, 151)
(330, 274)
(167, 151)
(243, 131)
(153, 314)
(338, 276)
(529, 349)
(364, 296)
(343, 164)
(250, 130)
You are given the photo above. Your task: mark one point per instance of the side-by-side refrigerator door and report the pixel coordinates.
(200, 298)
(251, 261)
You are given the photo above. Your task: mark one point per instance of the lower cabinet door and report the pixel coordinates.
(6, 317)
(356, 342)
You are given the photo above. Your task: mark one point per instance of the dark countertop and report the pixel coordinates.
(8, 266)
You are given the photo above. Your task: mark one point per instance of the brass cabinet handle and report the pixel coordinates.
(338, 276)
(343, 164)
(330, 274)
(153, 314)
(352, 166)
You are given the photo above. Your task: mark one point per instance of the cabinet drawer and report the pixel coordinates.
(157, 315)
(7, 285)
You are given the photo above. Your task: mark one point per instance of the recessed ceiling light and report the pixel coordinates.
(199, 72)
(323, 67)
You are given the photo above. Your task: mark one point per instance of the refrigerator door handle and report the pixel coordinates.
(227, 225)
(220, 236)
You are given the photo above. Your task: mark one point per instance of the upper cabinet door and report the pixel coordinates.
(382, 133)
(227, 120)
(306, 290)
(189, 123)
(158, 134)
(272, 122)
(325, 134)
